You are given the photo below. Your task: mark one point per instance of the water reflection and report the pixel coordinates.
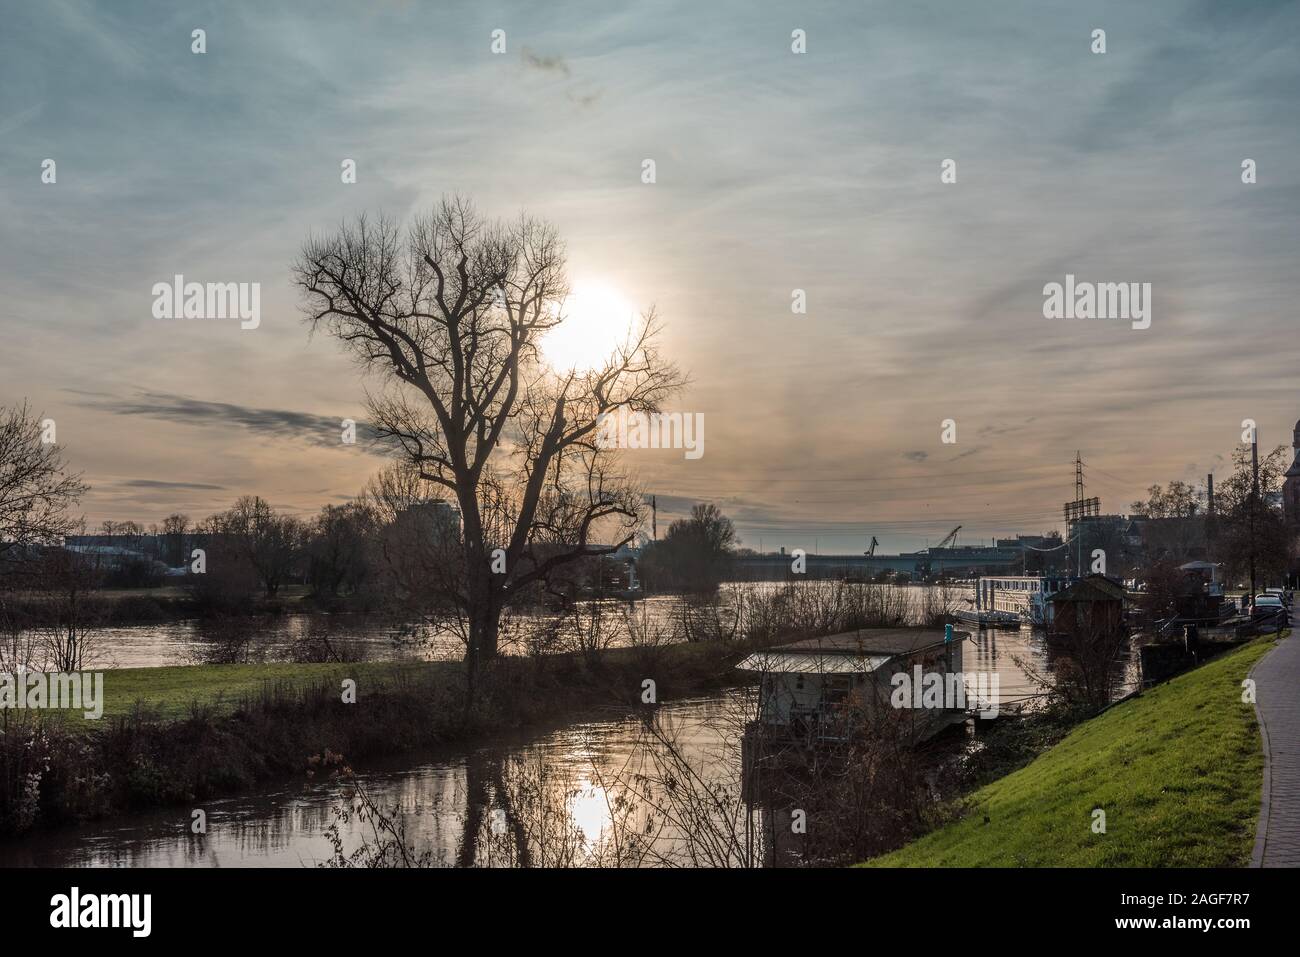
(615, 792)
(569, 796)
(349, 637)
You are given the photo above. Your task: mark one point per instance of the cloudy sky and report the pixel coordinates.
(775, 172)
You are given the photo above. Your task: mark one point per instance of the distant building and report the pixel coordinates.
(1291, 484)
(1118, 537)
(437, 520)
(1291, 507)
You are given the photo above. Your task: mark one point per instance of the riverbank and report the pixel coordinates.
(1177, 772)
(118, 607)
(182, 734)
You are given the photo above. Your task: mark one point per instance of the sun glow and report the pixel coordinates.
(597, 320)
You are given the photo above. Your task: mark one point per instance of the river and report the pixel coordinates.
(575, 783)
(352, 637)
(579, 794)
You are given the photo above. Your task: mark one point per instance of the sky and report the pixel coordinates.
(775, 171)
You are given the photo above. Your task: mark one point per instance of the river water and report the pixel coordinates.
(576, 789)
(584, 794)
(351, 637)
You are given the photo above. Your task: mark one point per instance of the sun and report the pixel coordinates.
(597, 319)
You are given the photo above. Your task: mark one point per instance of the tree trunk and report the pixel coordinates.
(484, 627)
(485, 617)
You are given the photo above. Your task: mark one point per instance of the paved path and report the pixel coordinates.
(1277, 704)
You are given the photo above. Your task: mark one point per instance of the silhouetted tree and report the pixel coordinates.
(271, 543)
(36, 489)
(448, 313)
(1235, 504)
(695, 553)
(340, 549)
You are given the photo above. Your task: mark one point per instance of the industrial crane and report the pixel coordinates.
(923, 565)
(949, 538)
(871, 550)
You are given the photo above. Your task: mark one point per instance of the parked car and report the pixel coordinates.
(1281, 593)
(1267, 606)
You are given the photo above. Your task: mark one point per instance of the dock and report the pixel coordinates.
(987, 618)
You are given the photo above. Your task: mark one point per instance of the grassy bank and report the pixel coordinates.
(174, 692)
(120, 607)
(1177, 770)
(553, 683)
(177, 735)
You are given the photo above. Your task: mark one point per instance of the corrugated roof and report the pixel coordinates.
(1092, 588)
(872, 641)
(781, 662)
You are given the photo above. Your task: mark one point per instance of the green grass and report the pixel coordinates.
(1178, 771)
(171, 692)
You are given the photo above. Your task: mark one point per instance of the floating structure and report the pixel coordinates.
(986, 618)
(816, 691)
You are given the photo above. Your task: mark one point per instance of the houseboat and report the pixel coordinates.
(817, 691)
(1027, 597)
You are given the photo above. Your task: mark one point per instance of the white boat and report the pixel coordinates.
(1028, 597)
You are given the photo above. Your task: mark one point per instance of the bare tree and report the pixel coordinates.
(36, 490)
(36, 493)
(175, 529)
(1086, 661)
(447, 314)
(270, 542)
(695, 554)
(69, 617)
(1176, 500)
(339, 549)
(1249, 524)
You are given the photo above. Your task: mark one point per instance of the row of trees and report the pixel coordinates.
(358, 550)
(342, 550)
(1248, 521)
(394, 546)
(1175, 500)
